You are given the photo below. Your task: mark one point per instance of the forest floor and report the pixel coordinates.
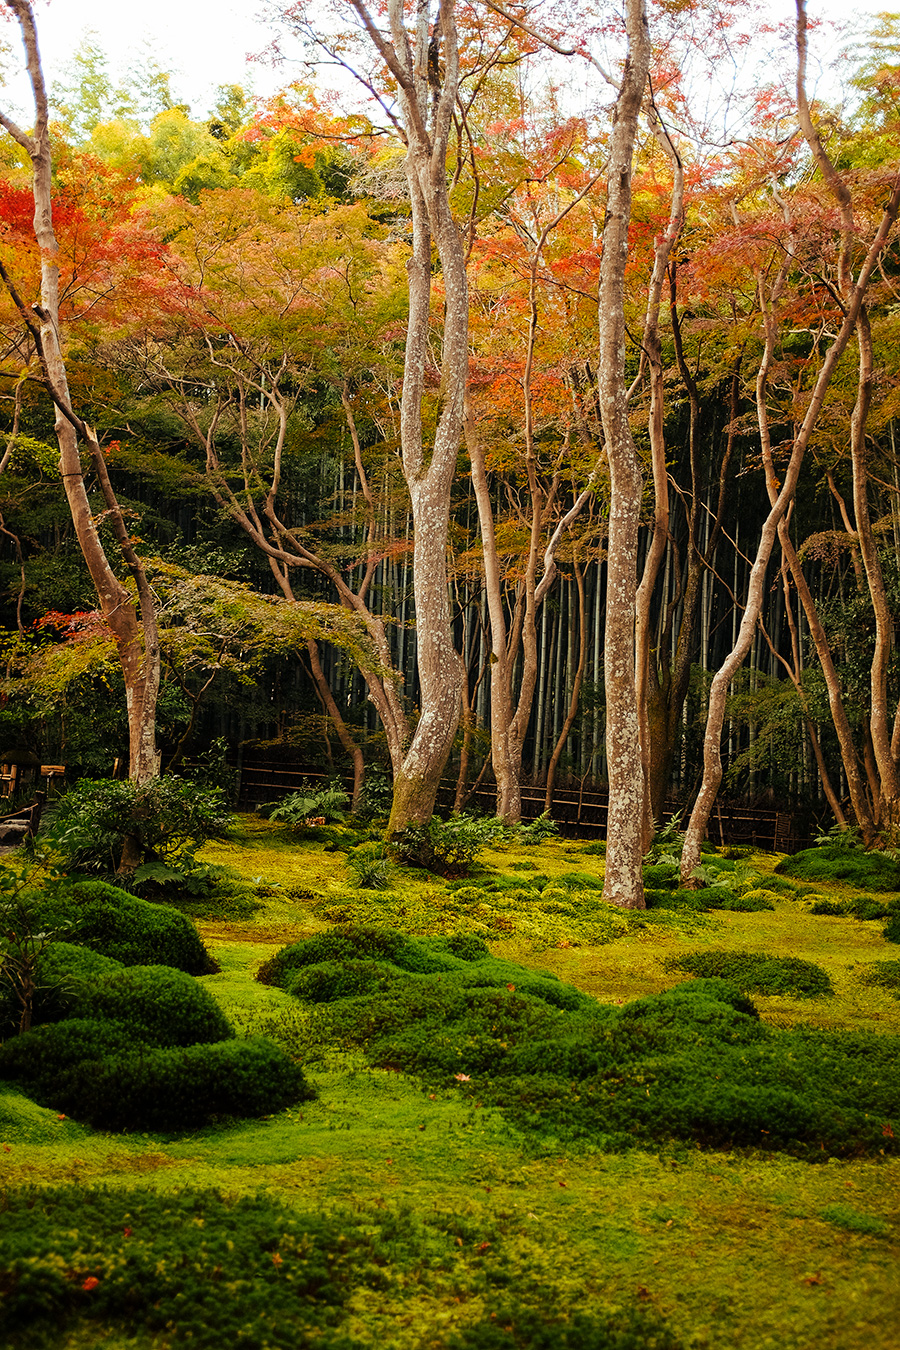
(739, 1250)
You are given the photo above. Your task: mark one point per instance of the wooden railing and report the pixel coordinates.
(578, 813)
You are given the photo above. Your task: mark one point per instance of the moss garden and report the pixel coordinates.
(430, 1114)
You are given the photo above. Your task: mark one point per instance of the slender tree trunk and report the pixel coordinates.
(622, 885)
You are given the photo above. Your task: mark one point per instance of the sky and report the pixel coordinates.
(205, 42)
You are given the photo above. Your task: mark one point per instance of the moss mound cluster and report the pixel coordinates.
(694, 1063)
(140, 1047)
(758, 973)
(883, 974)
(868, 871)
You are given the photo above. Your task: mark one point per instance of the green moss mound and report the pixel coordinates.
(159, 1005)
(758, 973)
(516, 1328)
(126, 928)
(200, 1269)
(883, 974)
(95, 1072)
(868, 871)
(694, 1063)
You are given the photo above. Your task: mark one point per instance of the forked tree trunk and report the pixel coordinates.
(426, 70)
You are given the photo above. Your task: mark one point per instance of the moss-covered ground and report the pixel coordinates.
(490, 1230)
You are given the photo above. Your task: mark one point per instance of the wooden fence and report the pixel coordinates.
(580, 814)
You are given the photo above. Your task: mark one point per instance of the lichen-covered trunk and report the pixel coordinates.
(427, 119)
(622, 885)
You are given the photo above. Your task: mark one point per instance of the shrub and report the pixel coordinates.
(885, 974)
(660, 875)
(62, 968)
(160, 1005)
(330, 980)
(892, 928)
(751, 902)
(370, 868)
(757, 972)
(447, 847)
(539, 829)
(833, 908)
(866, 907)
(309, 804)
(694, 1063)
(37, 1058)
(128, 929)
(165, 819)
(355, 942)
(867, 871)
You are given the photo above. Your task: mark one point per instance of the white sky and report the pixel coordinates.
(206, 42)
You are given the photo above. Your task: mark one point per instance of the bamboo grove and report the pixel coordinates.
(529, 420)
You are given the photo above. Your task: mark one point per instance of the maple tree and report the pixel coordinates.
(133, 624)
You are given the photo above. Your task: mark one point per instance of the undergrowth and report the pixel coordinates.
(203, 1270)
(694, 1063)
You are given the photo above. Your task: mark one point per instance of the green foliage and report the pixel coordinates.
(694, 1063)
(667, 841)
(377, 792)
(371, 868)
(127, 928)
(853, 1221)
(93, 1071)
(866, 871)
(833, 908)
(867, 908)
(892, 928)
(160, 1006)
(166, 819)
(884, 974)
(196, 1267)
(308, 804)
(843, 838)
(448, 847)
(757, 972)
(539, 829)
(515, 1327)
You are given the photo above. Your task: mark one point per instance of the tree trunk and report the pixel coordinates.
(623, 885)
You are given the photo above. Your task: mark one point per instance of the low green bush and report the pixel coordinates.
(757, 972)
(164, 820)
(660, 875)
(370, 868)
(447, 847)
(126, 928)
(892, 929)
(832, 908)
(94, 1071)
(867, 871)
(866, 907)
(884, 974)
(750, 902)
(161, 1006)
